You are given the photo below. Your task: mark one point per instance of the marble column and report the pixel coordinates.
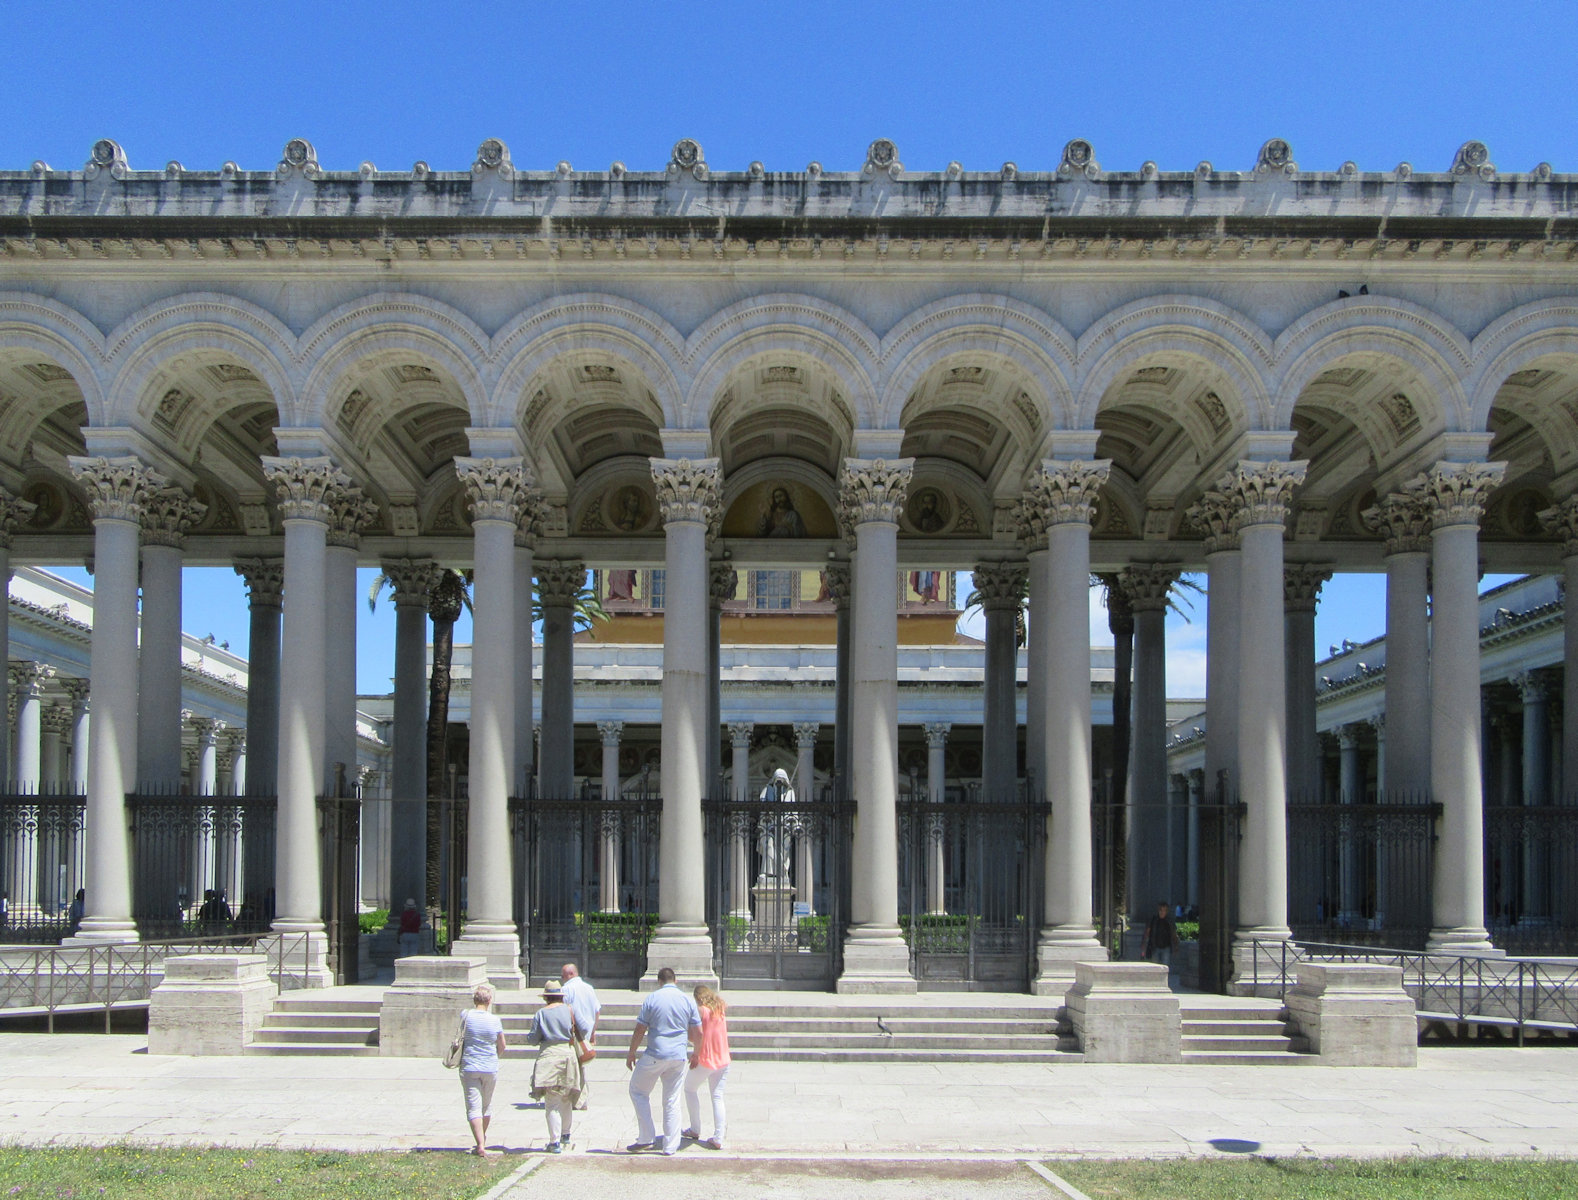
(839, 582)
(1055, 516)
(871, 496)
(1213, 515)
(166, 517)
(1001, 587)
(1533, 690)
(525, 572)
(722, 582)
(1301, 585)
(54, 726)
(1261, 492)
(204, 782)
(1404, 524)
(77, 691)
(117, 490)
(1350, 791)
(560, 583)
(1196, 798)
(1038, 625)
(27, 681)
(352, 512)
(608, 878)
(936, 831)
(411, 582)
(306, 489)
(1150, 855)
(805, 847)
(740, 829)
(687, 497)
(13, 512)
(497, 489)
(230, 867)
(265, 580)
(1455, 495)
(1562, 520)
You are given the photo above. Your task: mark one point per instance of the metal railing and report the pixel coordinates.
(45, 980)
(1518, 994)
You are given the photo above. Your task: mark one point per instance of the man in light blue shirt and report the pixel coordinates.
(671, 1024)
(582, 997)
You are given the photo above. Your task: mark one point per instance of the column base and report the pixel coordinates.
(1461, 939)
(297, 958)
(1261, 965)
(102, 931)
(1058, 949)
(876, 963)
(500, 945)
(687, 948)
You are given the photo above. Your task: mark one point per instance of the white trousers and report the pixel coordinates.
(648, 1073)
(714, 1078)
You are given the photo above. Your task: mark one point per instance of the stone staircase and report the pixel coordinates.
(321, 1022)
(1242, 1033)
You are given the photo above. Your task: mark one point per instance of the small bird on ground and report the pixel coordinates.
(883, 1025)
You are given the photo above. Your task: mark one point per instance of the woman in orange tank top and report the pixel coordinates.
(710, 1066)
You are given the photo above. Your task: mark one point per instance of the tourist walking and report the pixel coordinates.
(1161, 938)
(582, 996)
(710, 1066)
(410, 929)
(483, 1042)
(556, 1077)
(671, 1025)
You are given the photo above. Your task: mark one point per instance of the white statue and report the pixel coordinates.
(775, 850)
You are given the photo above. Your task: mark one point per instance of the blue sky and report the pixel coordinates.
(1378, 82)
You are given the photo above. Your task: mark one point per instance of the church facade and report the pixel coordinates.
(864, 379)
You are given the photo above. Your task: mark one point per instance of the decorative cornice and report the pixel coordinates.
(410, 580)
(1403, 522)
(1146, 586)
(1062, 492)
(167, 515)
(306, 488)
(559, 582)
(1001, 586)
(1260, 491)
(873, 490)
(496, 487)
(265, 580)
(1301, 585)
(1212, 514)
(1455, 493)
(117, 488)
(687, 489)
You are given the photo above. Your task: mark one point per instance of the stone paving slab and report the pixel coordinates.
(95, 1088)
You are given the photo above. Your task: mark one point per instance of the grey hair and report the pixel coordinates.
(483, 994)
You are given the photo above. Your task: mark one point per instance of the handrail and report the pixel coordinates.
(1473, 989)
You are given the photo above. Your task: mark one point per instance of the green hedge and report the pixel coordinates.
(937, 933)
(618, 932)
(372, 922)
(735, 932)
(812, 934)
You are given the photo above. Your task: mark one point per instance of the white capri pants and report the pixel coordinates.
(714, 1078)
(478, 1086)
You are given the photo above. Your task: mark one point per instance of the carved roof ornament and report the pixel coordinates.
(687, 489)
(1276, 158)
(352, 513)
(873, 490)
(117, 487)
(1455, 493)
(1301, 585)
(1261, 491)
(106, 158)
(305, 488)
(1212, 515)
(13, 512)
(1402, 521)
(1001, 586)
(493, 155)
(300, 158)
(882, 158)
(1563, 522)
(1473, 158)
(1079, 158)
(722, 583)
(687, 158)
(411, 580)
(559, 582)
(495, 487)
(265, 580)
(167, 516)
(1061, 492)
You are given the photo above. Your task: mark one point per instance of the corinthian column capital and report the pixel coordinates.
(1062, 492)
(1212, 515)
(1260, 491)
(1563, 522)
(265, 580)
(118, 488)
(687, 489)
(13, 512)
(167, 514)
(410, 579)
(722, 582)
(838, 583)
(1147, 585)
(352, 512)
(306, 488)
(873, 489)
(496, 487)
(1301, 585)
(1402, 520)
(1001, 586)
(559, 583)
(1455, 493)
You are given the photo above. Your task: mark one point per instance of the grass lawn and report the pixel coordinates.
(1323, 1179)
(79, 1173)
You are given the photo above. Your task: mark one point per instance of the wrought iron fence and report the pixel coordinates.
(971, 889)
(42, 856)
(1531, 878)
(339, 858)
(1360, 872)
(193, 856)
(585, 883)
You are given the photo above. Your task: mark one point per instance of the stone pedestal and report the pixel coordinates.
(421, 1010)
(209, 1004)
(1124, 1012)
(1355, 1014)
(774, 925)
(297, 960)
(501, 953)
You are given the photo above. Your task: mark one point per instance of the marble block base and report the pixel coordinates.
(502, 953)
(876, 963)
(421, 1009)
(209, 1004)
(685, 947)
(1124, 1012)
(1355, 1014)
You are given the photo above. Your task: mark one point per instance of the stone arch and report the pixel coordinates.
(1422, 340)
(387, 322)
(989, 325)
(1513, 342)
(591, 322)
(801, 326)
(63, 335)
(1223, 340)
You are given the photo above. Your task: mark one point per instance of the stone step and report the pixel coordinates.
(360, 1036)
(1272, 1011)
(842, 1054)
(1226, 1028)
(300, 1001)
(323, 1020)
(890, 1012)
(742, 1026)
(1250, 1058)
(311, 1049)
(1242, 1042)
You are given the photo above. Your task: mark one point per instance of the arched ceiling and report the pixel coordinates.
(972, 411)
(773, 407)
(41, 412)
(585, 409)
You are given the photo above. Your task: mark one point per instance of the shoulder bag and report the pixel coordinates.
(583, 1052)
(452, 1055)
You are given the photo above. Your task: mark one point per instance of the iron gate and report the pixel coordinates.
(339, 830)
(41, 861)
(778, 890)
(193, 857)
(586, 884)
(971, 891)
(1531, 877)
